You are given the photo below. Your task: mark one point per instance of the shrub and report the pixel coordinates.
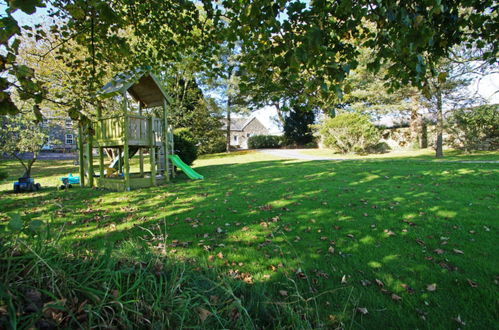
(476, 128)
(349, 132)
(213, 144)
(264, 141)
(297, 127)
(185, 145)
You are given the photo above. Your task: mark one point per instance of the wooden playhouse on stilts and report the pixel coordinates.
(131, 132)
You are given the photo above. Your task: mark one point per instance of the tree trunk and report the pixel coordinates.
(228, 125)
(415, 128)
(440, 126)
(280, 116)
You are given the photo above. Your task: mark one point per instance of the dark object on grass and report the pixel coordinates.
(66, 183)
(26, 184)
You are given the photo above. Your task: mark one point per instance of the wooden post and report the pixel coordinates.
(101, 149)
(90, 159)
(152, 151)
(81, 155)
(141, 153)
(166, 164)
(126, 161)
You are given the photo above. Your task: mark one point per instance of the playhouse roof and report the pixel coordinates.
(140, 83)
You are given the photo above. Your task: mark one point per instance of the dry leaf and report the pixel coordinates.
(457, 251)
(283, 293)
(203, 313)
(431, 287)
(389, 232)
(344, 279)
(330, 250)
(379, 283)
(350, 236)
(220, 255)
(362, 310)
(458, 320)
(395, 297)
(365, 282)
(420, 242)
(471, 283)
(439, 251)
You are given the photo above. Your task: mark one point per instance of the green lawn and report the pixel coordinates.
(422, 154)
(412, 243)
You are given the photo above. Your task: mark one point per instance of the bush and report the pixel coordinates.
(297, 127)
(185, 145)
(476, 128)
(349, 132)
(213, 144)
(264, 141)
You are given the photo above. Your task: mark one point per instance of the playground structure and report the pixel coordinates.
(128, 134)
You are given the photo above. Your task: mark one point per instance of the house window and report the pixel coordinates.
(69, 123)
(235, 138)
(69, 138)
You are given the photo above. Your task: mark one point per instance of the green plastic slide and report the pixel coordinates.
(185, 168)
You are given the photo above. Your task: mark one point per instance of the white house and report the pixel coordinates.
(241, 129)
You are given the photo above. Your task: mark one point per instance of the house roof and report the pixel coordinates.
(140, 83)
(237, 124)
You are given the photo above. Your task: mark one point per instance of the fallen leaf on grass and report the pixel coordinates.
(439, 251)
(330, 250)
(283, 293)
(323, 238)
(458, 320)
(457, 251)
(365, 282)
(389, 232)
(471, 283)
(350, 236)
(379, 283)
(431, 287)
(420, 242)
(211, 258)
(344, 279)
(407, 288)
(396, 298)
(220, 255)
(362, 310)
(203, 314)
(300, 274)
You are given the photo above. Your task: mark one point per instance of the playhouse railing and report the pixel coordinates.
(110, 130)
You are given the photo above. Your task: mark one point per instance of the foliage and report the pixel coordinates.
(185, 145)
(19, 224)
(20, 135)
(297, 130)
(288, 39)
(473, 126)
(264, 141)
(349, 132)
(190, 109)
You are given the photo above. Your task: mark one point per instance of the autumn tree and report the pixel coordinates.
(22, 138)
